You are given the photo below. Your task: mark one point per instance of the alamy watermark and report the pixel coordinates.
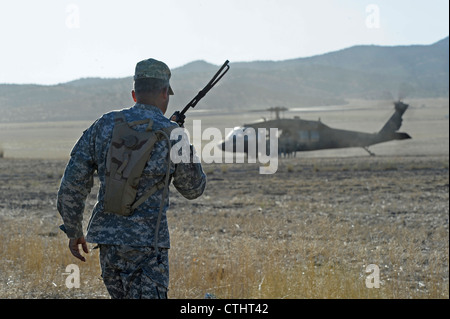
(73, 16)
(73, 276)
(259, 145)
(373, 16)
(373, 277)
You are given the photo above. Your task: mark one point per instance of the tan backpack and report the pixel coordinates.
(125, 162)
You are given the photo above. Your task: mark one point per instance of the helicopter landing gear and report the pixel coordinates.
(368, 151)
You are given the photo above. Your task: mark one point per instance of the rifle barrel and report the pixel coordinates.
(216, 78)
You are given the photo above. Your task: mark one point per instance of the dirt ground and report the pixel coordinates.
(308, 231)
(349, 212)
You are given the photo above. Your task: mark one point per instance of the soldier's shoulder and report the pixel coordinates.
(170, 124)
(163, 122)
(111, 115)
(108, 118)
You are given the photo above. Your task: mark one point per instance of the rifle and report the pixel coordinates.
(179, 116)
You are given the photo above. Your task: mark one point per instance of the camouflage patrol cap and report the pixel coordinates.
(155, 69)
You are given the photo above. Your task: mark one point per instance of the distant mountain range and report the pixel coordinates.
(366, 72)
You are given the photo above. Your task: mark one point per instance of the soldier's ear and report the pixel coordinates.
(165, 93)
(133, 94)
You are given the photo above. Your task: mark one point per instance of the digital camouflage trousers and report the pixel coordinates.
(133, 272)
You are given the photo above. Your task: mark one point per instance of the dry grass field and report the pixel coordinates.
(308, 231)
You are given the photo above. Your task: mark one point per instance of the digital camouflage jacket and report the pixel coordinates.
(89, 155)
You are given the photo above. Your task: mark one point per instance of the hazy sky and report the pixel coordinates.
(53, 41)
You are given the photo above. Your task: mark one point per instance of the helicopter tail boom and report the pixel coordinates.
(395, 122)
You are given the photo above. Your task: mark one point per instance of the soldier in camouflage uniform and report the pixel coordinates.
(130, 268)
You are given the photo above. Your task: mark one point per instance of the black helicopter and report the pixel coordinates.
(299, 135)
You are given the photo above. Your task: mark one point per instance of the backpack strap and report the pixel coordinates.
(158, 186)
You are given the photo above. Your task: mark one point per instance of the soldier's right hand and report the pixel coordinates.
(178, 118)
(74, 247)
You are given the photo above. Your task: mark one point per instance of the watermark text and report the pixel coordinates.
(259, 145)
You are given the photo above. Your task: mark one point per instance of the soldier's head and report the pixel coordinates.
(151, 83)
